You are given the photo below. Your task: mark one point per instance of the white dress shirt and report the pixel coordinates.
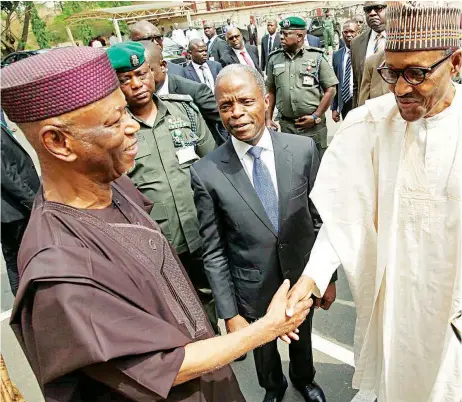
(267, 156)
(200, 73)
(273, 38)
(163, 90)
(241, 59)
(348, 54)
(371, 43)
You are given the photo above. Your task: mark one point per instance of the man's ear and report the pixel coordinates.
(163, 66)
(57, 143)
(456, 62)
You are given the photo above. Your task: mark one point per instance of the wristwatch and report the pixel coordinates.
(317, 119)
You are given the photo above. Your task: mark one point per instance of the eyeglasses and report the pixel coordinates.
(412, 75)
(151, 38)
(234, 37)
(377, 8)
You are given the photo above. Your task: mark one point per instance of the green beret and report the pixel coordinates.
(126, 56)
(293, 23)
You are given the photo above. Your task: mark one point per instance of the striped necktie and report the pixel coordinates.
(379, 45)
(206, 78)
(346, 94)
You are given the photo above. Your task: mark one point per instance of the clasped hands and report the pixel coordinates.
(288, 309)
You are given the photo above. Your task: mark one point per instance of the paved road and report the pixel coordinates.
(332, 340)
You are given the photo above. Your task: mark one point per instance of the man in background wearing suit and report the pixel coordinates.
(269, 42)
(238, 52)
(257, 222)
(215, 45)
(370, 42)
(372, 85)
(313, 41)
(253, 33)
(341, 61)
(144, 30)
(200, 69)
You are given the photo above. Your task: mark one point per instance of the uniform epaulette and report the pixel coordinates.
(275, 51)
(176, 98)
(317, 49)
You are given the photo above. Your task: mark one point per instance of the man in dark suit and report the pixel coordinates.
(201, 94)
(253, 33)
(238, 52)
(312, 41)
(20, 183)
(200, 69)
(341, 62)
(144, 30)
(215, 45)
(370, 42)
(257, 222)
(271, 41)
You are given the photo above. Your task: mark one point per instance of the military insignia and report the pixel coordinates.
(134, 60)
(286, 23)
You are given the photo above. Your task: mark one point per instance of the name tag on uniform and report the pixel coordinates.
(186, 154)
(279, 65)
(308, 81)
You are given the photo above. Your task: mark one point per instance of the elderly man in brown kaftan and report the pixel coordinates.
(104, 310)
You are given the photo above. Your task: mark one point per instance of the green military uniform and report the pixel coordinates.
(299, 82)
(167, 147)
(329, 28)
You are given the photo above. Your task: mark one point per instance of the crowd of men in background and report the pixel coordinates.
(239, 240)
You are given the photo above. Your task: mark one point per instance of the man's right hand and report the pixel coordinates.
(300, 292)
(278, 322)
(271, 124)
(235, 324)
(336, 116)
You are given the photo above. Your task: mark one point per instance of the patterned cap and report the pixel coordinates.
(56, 82)
(422, 25)
(293, 23)
(126, 56)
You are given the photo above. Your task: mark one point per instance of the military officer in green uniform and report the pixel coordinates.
(172, 136)
(329, 28)
(301, 83)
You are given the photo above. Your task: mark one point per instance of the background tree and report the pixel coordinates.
(40, 30)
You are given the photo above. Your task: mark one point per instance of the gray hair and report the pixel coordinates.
(194, 42)
(239, 70)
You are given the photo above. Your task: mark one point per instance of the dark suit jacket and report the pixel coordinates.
(204, 100)
(244, 258)
(190, 72)
(20, 181)
(175, 69)
(358, 57)
(219, 46)
(229, 57)
(264, 48)
(313, 41)
(337, 64)
(254, 34)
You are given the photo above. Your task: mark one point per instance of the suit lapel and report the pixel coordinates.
(235, 173)
(193, 73)
(284, 165)
(172, 84)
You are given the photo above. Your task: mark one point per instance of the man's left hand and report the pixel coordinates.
(305, 122)
(329, 297)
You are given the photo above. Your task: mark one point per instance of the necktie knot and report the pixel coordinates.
(255, 152)
(202, 67)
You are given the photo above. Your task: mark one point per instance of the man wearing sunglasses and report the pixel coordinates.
(369, 43)
(389, 191)
(144, 30)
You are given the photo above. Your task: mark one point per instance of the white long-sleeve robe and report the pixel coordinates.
(390, 196)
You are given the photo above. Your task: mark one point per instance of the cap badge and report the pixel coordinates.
(134, 60)
(286, 23)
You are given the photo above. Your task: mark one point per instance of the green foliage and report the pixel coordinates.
(41, 32)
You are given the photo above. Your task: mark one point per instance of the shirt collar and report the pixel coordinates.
(239, 51)
(242, 147)
(163, 90)
(198, 66)
(374, 34)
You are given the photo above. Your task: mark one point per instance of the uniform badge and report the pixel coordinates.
(134, 60)
(286, 23)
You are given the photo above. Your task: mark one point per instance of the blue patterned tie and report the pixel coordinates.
(264, 187)
(346, 94)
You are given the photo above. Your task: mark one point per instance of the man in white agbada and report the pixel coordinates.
(178, 36)
(389, 191)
